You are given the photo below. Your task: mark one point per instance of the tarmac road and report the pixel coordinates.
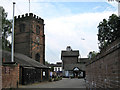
(64, 83)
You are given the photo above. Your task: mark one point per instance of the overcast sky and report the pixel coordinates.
(67, 22)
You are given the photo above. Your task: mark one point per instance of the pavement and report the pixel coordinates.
(64, 83)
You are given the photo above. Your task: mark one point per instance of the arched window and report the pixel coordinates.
(37, 57)
(22, 27)
(37, 29)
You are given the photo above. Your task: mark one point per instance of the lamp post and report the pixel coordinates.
(12, 55)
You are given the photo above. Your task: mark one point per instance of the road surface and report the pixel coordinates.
(64, 83)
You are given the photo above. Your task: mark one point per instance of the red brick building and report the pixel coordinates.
(29, 53)
(30, 37)
(24, 70)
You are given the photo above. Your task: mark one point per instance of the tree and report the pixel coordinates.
(113, 23)
(52, 69)
(6, 31)
(46, 63)
(108, 31)
(92, 54)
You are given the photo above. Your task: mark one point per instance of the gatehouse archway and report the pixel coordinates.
(78, 73)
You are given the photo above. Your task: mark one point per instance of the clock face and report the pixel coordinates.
(37, 39)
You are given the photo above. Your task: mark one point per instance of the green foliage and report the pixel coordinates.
(108, 31)
(52, 69)
(46, 62)
(55, 79)
(6, 31)
(92, 54)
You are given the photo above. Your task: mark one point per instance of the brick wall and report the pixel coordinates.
(10, 75)
(104, 70)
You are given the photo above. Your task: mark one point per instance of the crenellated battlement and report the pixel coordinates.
(28, 16)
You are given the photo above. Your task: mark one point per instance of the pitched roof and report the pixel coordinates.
(70, 53)
(23, 60)
(54, 65)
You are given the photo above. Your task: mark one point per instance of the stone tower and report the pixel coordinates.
(30, 37)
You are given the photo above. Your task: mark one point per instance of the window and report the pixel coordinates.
(37, 29)
(55, 69)
(58, 69)
(37, 57)
(7, 70)
(43, 73)
(22, 27)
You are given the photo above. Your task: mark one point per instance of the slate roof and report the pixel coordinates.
(54, 65)
(23, 60)
(70, 53)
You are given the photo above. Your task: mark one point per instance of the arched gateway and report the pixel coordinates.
(77, 73)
